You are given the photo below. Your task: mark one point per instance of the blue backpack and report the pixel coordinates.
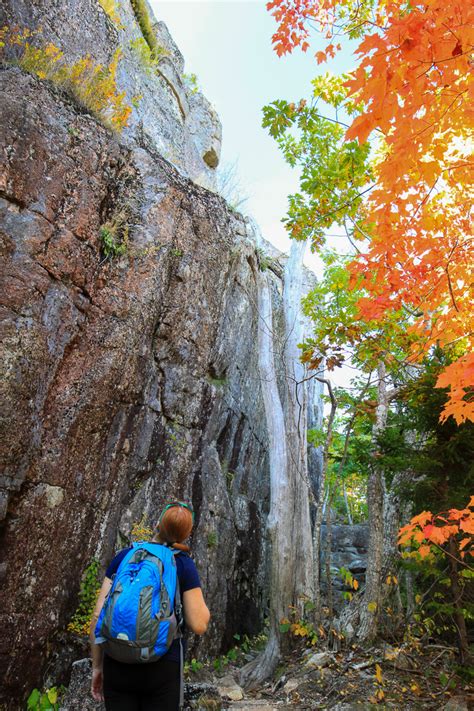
(142, 614)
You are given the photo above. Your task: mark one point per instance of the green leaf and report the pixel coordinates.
(33, 699)
(52, 695)
(45, 704)
(443, 679)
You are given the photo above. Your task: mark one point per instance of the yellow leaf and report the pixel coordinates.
(372, 606)
(378, 673)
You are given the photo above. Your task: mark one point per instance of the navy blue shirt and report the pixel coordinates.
(188, 579)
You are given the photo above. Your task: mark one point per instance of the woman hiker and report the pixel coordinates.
(155, 685)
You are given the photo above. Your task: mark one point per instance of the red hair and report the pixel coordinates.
(175, 525)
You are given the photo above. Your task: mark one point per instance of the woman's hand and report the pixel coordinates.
(97, 684)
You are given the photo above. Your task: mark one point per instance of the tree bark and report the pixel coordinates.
(372, 596)
(320, 509)
(327, 560)
(456, 592)
(288, 525)
(296, 412)
(346, 503)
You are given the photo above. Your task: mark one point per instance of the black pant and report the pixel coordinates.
(141, 687)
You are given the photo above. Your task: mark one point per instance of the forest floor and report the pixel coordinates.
(383, 676)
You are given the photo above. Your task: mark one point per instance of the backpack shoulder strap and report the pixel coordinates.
(178, 604)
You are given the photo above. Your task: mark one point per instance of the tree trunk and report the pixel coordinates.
(346, 503)
(288, 524)
(372, 597)
(296, 412)
(456, 592)
(320, 509)
(327, 559)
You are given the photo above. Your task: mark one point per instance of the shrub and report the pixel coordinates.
(92, 85)
(88, 593)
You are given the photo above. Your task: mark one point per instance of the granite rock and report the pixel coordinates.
(169, 115)
(128, 381)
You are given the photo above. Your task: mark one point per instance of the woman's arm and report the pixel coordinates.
(96, 649)
(196, 613)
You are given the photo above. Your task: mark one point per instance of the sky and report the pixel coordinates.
(227, 44)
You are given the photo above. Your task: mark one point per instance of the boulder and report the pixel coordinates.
(228, 688)
(320, 659)
(458, 703)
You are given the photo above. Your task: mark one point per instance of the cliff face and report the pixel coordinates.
(168, 113)
(128, 380)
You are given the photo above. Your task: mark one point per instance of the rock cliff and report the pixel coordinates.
(129, 380)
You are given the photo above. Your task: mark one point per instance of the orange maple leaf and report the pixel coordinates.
(424, 551)
(467, 525)
(422, 518)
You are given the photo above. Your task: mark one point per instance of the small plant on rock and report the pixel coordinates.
(88, 593)
(141, 531)
(263, 259)
(114, 236)
(349, 581)
(190, 81)
(299, 626)
(143, 18)
(149, 59)
(48, 700)
(193, 666)
(212, 539)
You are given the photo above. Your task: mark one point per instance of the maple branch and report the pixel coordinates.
(458, 560)
(357, 227)
(451, 289)
(350, 239)
(434, 123)
(326, 118)
(348, 203)
(451, 31)
(425, 199)
(412, 313)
